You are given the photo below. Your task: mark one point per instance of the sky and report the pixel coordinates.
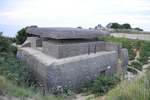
(17, 14)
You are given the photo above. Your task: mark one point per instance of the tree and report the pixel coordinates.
(4, 43)
(79, 27)
(138, 29)
(126, 26)
(114, 25)
(22, 35)
(99, 26)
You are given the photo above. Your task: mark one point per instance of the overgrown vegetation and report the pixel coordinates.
(103, 84)
(4, 44)
(132, 70)
(137, 89)
(99, 86)
(16, 80)
(137, 65)
(14, 70)
(145, 52)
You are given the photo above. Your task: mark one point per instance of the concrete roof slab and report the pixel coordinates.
(67, 33)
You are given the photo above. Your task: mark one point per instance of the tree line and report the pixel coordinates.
(115, 25)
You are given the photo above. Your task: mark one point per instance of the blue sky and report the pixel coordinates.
(16, 14)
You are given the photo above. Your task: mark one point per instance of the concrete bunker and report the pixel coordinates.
(67, 57)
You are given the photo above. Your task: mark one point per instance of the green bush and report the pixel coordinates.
(145, 52)
(132, 70)
(137, 65)
(4, 43)
(14, 70)
(103, 84)
(131, 57)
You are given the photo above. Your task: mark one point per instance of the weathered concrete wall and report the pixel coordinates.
(72, 71)
(35, 64)
(63, 50)
(36, 42)
(132, 36)
(112, 46)
(50, 49)
(32, 42)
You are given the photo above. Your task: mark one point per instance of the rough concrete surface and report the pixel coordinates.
(67, 33)
(71, 71)
(63, 50)
(125, 59)
(132, 36)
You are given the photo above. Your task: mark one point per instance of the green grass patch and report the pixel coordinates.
(137, 65)
(132, 70)
(7, 88)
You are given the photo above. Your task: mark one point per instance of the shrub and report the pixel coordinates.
(132, 70)
(145, 52)
(131, 57)
(4, 43)
(137, 65)
(14, 70)
(103, 84)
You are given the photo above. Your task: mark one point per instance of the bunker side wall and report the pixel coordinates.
(36, 65)
(75, 72)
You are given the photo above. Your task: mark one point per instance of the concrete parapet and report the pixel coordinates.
(63, 50)
(112, 46)
(68, 48)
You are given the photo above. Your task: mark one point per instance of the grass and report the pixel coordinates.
(137, 89)
(9, 89)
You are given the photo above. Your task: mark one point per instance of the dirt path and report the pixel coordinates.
(82, 97)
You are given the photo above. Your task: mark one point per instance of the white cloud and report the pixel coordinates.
(75, 12)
